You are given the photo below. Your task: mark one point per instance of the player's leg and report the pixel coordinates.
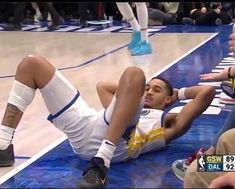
(144, 47)
(128, 99)
(228, 124)
(33, 72)
(127, 12)
(195, 179)
(28, 78)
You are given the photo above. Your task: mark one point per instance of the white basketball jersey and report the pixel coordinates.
(149, 134)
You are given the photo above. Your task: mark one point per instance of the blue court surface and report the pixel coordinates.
(61, 168)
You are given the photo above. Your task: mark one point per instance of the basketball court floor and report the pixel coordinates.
(44, 158)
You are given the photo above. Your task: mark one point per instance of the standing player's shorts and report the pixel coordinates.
(84, 126)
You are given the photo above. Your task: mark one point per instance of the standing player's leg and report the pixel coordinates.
(144, 47)
(127, 12)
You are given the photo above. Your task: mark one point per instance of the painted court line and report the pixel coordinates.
(31, 160)
(216, 70)
(224, 66)
(215, 84)
(69, 28)
(227, 63)
(184, 55)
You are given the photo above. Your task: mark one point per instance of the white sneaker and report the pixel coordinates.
(179, 168)
(225, 99)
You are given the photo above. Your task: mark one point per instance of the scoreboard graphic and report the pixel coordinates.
(216, 163)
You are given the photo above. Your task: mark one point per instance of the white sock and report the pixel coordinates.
(106, 152)
(142, 13)
(134, 24)
(127, 13)
(6, 136)
(144, 35)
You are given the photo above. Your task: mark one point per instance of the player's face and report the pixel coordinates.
(156, 94)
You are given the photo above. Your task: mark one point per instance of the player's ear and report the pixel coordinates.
(168, 100)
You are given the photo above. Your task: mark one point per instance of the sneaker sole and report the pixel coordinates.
(227, 101)
(180, 178)
(6, 164)
(86, 186)
(141, 54)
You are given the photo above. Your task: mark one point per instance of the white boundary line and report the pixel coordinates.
(31, 160)
(53, 145)
(184, 55)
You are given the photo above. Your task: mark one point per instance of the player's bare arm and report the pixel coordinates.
(106, 91)
(178, 124)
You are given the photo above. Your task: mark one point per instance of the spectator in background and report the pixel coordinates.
(163, 14)
(6, 11)
(223, 142)
(208, 14)
(55, 17)
(87, 11)
(18, 16)
(195, 179)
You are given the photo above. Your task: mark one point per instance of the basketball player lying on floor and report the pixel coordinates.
(131, 123)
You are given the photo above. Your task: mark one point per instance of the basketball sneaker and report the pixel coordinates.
(135, 39)
(143, 48)
(225, 99)
(7, 157)
(179, 167)
(95, 176)
(228, 88)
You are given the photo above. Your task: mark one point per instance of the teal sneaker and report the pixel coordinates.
(135, 39)
(143, 48)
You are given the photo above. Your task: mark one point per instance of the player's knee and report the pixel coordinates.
(30, 58)
(191, 176)
(211, 91)
(135, 75)
(30, 63)
(27, 62)
(135, 79)
(225, 142)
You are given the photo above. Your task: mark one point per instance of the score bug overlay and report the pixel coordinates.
(216, 163)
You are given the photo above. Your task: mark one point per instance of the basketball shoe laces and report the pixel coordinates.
(95, 175)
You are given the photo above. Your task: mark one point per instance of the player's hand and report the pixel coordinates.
(210, 77)
(226, 180)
